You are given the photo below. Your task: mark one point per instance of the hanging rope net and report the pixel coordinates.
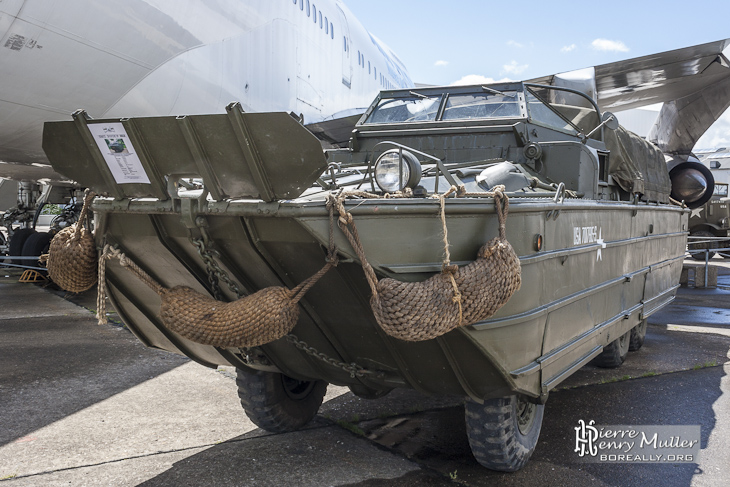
(72, 255)
(416, 311)
(250, 321)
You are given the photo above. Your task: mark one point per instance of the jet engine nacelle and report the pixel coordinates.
(692, 182)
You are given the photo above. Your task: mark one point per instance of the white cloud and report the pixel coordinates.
(477, 79)
(441, 62)
(515, 44)
(514, 68)
(607, 45)
(568, 48)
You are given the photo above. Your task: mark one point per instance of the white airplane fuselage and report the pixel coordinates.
(179, 57)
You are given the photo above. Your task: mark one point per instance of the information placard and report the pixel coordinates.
(118, 152)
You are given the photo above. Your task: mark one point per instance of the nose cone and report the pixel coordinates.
(689, 185)
(692, 183)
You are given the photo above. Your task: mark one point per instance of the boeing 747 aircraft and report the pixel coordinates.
(168, 57)
(171, 57)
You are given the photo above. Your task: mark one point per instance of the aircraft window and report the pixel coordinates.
(359, 58)
(314, 13)
(327, 28)
(332, 30)
(320, 19)
(720, 189)
(295, 2)
(418, 108)
(308, 11)
(482, 105)
(375, 72)
(301, 4)
(369, 68)
(540, 112)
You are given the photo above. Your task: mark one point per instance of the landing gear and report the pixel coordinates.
(614, 353)
(17, 241)
(278, 403)
(503, 432)
(36, 245)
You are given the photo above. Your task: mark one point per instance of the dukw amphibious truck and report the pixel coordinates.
(479, 241)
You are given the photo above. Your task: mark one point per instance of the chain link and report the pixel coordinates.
(353, 369)
(216, 275)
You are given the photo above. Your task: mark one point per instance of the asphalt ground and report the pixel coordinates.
(82, 404)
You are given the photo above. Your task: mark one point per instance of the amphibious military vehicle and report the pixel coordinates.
(229, 205)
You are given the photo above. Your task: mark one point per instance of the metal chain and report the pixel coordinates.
(353, 369)
(215, 273)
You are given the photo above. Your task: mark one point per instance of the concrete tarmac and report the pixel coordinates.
(82, 404)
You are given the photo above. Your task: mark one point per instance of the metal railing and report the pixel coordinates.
(713, 247)
(15, 258)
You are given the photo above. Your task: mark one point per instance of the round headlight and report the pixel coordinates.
(393, 175)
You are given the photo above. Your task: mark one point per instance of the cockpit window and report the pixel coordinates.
(418, 108)
(482, 105)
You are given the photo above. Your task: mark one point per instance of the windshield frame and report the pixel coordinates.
(445, 93)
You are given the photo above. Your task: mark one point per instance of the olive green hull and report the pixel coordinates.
(603, 267)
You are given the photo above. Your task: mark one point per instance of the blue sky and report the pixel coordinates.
(442, 42)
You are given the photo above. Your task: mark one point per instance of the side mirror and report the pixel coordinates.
(609, 120)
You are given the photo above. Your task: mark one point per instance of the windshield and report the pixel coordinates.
(482, 105)
(720, 190)
(539, 112)
(418, 108)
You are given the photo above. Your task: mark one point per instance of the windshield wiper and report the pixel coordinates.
(495, 92)
(418, 94)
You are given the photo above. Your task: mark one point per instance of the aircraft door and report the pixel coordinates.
(345, 46)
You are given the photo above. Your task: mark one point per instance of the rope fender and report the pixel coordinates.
(72, 255)
(416, 311)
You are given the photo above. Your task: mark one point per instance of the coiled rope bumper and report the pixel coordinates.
(416, 311)
(72, 255)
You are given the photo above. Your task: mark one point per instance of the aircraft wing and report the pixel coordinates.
(692, 82)
(33, 172)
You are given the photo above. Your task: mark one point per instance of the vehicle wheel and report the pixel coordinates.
(726, 245)
(503, 432)
(276, 402)
(638, 333)
(614, 353)
(36, 245)
(696, 251)
(17, 241)
(368, 393)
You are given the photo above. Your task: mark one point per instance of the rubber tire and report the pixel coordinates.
(638, 334)
(37, 245)
(17, 241)
(614, 353)
(495, 438)
(278, 403)
(709, 245)
(725, 244)
(368, 393)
